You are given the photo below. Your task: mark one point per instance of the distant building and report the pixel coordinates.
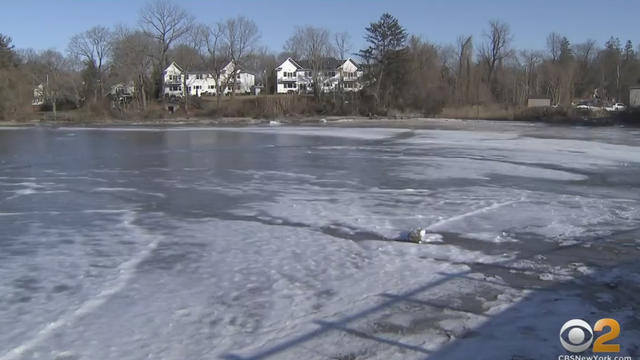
(122, 92)
(634, 96)
(257, 89)
(535, 103)
(200, 82)
(38, 96)
(297, 76)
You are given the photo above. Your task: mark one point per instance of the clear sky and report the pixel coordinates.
(42, 24)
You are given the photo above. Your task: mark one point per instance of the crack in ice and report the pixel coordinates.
(436, 225)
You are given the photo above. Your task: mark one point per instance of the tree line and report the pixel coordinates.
(402, 71)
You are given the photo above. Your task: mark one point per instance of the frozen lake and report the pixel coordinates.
(279, 243)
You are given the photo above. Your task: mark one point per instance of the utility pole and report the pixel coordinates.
(53, 98)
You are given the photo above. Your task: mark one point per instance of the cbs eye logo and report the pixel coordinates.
(576, 336)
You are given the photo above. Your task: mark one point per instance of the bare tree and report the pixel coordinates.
(342, 43)
(586, 77)
(586, 51)
(495, 50)
(165, 22)
(554, 45)
(189, 55)
(132, 60)
(313, 45)
(261, 63)
(463, 79)
(239, 39)
(93, 47)
(216, 55)
(531, 60)
(50, 68)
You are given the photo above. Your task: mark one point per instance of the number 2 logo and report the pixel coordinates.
(577, 336)
(600, 345)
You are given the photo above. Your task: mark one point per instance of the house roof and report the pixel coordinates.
(298, 67)
(328, 63)
(201, 69)
(354, 63)
(174, 64)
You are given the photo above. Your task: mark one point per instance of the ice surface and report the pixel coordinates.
(282, 242)
(359, 133)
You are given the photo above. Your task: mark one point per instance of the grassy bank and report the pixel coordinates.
(484, 112)
(292, 109)
(557, 115)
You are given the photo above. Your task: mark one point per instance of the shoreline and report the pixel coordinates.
(328, 121)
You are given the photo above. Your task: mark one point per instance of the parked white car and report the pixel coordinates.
(616, 107)
(588, 106)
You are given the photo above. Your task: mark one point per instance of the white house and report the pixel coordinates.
(202, 82)
(297, 76)
(122, 91)
(173, 80)
(38, 95)
(243, 82)
(634, 96)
